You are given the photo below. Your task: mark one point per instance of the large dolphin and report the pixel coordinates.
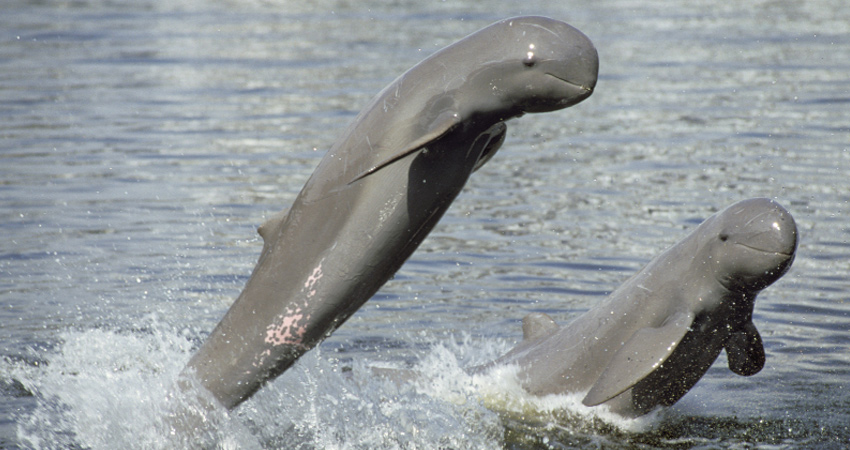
(382, 187)
(655, 336)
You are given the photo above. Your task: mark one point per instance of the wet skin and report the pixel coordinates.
(382, 187)
(654, 337)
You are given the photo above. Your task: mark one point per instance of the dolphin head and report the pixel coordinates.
(533, 64)
(752, 244)
(559, 64)
(550, 64)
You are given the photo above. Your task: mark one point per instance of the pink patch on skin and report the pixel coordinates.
(286, 331)
(314, 277)
(289, 328)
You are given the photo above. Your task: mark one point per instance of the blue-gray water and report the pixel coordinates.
(141, 143)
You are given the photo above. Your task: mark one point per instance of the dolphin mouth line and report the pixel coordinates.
(576, 85)
(761, 250)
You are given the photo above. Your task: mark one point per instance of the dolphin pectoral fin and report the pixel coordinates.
(440, 126)
(495, 138)
(536, 325)
(745, 351)
(645, 352)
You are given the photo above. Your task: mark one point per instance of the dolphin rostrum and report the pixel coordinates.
(382, 187)
(655, 336)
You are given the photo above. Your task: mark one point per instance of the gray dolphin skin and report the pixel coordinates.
(654, 337)
(382, 187)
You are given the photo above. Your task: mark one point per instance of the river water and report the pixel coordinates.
(141, 144)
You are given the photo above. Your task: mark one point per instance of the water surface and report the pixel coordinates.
(142, 143)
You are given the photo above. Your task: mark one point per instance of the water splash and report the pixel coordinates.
(104, 389)
(107, 389)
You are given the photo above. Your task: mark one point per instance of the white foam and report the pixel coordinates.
(105, 389)
(499, 390)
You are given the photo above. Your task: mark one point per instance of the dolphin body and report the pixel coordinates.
(381, 189)
(655, 336)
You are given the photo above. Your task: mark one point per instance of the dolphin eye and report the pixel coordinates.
(530, 60)
(723, 237)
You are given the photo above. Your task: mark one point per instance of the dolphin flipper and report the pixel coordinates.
(745, 351)
(444, 123)
(537, 325)
(647, 349)
(496, 137)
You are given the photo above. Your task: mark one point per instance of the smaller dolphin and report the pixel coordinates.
(654, 337)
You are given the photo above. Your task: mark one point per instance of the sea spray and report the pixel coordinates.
(499, 390)
(103, 389)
